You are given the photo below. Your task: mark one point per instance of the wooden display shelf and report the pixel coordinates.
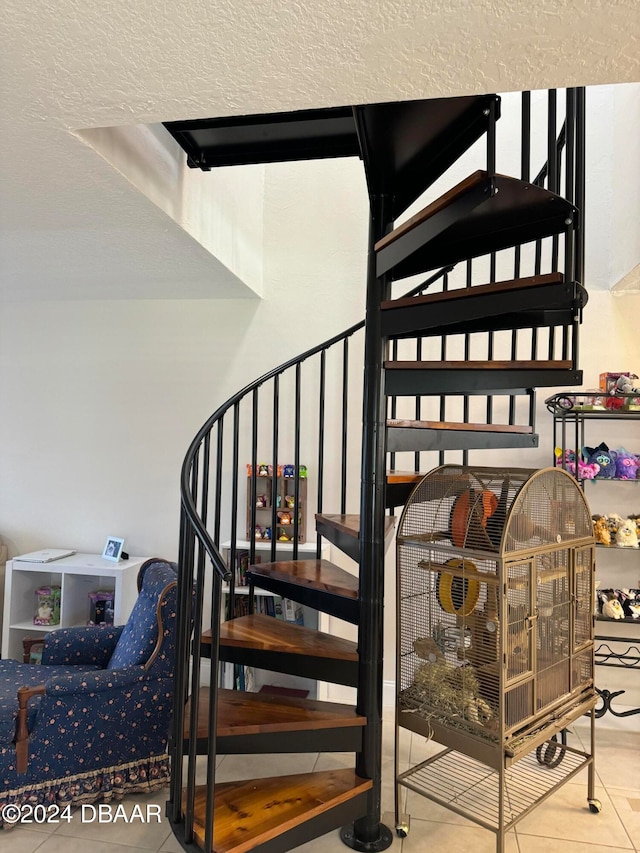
(285, 487)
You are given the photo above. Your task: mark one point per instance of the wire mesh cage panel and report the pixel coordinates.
(495, 602)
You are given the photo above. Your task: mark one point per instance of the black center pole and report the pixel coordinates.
(368, 833)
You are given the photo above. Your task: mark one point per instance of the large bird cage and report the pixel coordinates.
(495, 635)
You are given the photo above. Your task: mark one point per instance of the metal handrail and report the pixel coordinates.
(187, 501)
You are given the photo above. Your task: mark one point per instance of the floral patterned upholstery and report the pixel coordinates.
(89, 644)
(14, 675)
(140, 635)
(100, 728)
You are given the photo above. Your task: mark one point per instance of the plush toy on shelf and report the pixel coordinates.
(601, 530)
(602, 456)
(626, 465)
(610, 605)
(626, 536)
(615, 521)
(630, 600)
(586, 471)
(625, 384)
(612, 609)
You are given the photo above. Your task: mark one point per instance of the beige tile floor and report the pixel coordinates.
(562, 823)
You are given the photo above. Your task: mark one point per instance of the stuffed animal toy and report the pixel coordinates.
(601, 530)
(602, 456)
(612, 609)
(630, 600)
(626, 465)
(614, 404)
(624, 384)
(610, 605)
(636, 518)
(586, 471)
(626, 537)
(615, 521)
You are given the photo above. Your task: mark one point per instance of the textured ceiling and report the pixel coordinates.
(72, 227)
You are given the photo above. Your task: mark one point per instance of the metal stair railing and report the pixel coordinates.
(211, 508)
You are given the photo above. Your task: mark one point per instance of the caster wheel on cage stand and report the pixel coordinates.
(402, 830)
(402, 824)
(595, 806)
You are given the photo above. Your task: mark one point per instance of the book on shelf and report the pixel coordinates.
(270, 605)
(241, 565)
(226, 676)
(293, 612)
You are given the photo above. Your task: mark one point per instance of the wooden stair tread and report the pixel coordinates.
(541, 301)
(479, 290)
(254, 811)
(320, 575)
(241, 713)
(405, 476)
(478, 365)
(269, 634)
(484, 213)
(350, 524)
(451, 425)
(474, 180)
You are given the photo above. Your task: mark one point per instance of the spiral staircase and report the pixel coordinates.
(424, 396)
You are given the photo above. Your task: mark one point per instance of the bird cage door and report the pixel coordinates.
(554, 614)
(519, 648)
(583, 594)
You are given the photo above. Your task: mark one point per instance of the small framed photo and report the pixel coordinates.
(113, 548)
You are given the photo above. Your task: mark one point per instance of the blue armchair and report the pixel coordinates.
(91, 722)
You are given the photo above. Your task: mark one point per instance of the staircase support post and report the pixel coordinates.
(368, 833)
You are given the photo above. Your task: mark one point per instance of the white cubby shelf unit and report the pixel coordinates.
(77, 576)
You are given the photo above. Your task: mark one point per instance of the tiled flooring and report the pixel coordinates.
(562, 823)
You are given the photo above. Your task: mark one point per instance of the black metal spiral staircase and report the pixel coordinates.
(423, 396)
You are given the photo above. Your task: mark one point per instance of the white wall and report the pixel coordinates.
(221, 210)
(101, 399)
(613, 187)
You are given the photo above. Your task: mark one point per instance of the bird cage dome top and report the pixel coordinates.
(496, 510)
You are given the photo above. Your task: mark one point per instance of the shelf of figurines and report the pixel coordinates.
(612, 531)
(618, 605)
(262, 522)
